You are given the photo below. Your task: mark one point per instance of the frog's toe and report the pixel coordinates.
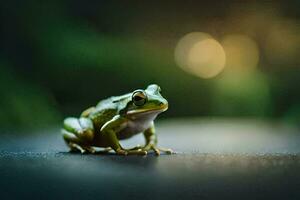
(167, 151)
(121, 152)
(83, 151)
(131, 152)
(104, 150)
(156, 151)
(75, 147)
(137, 152)
(91, 150)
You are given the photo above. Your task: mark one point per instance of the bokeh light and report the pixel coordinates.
(199, 54)
(242, 53)
(241, 58)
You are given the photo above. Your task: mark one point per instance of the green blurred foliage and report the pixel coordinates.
(243, 94)
(24, 104)
(292, 116)
(59, 57)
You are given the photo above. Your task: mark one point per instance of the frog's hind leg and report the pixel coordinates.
(78, 134)
(72, 141)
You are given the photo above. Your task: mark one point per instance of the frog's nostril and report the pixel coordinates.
(162, 104)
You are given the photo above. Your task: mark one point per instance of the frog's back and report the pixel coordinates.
(105, 110)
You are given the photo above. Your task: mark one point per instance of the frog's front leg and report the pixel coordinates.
(109, 130)
(151, 141)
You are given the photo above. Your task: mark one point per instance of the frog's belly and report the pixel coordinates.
(134, 127)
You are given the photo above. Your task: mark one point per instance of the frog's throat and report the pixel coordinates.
(158, 110)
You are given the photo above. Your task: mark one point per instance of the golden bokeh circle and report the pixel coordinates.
(199, 54)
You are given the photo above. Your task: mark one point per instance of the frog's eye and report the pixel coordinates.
(139, 98)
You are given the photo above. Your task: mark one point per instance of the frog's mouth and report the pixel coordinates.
(162, 108)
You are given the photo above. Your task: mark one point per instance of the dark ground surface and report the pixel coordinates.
(214, 160)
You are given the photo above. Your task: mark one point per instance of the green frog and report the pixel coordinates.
(117, 118)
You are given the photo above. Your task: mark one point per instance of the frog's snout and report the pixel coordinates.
(164, 105)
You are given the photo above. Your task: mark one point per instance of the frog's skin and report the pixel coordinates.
(117, 118)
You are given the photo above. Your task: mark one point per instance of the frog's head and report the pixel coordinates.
(147, 101)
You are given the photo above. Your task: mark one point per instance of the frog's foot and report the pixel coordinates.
(88, 149)
(125, 152)
(104, 150)
(82, 149)
(75, 143)
(157, 150)
(75, 148)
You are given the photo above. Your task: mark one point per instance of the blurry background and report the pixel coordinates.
(212, 59)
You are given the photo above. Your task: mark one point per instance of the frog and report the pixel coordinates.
(118, 118)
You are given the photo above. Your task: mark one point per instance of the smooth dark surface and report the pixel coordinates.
(214, 160)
